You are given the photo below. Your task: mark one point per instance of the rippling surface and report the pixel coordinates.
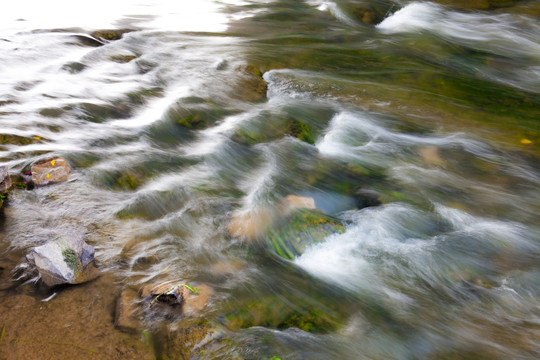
(171, 133)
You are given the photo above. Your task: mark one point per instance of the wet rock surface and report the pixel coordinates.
(64, 260)
(125, 313)
(50, 171)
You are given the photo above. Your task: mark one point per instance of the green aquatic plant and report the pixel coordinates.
(70, 258)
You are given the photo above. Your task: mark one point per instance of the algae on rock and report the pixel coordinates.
(303, 228)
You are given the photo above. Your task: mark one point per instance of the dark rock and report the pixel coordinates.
(366, 198)
(88, 40)
(50, 171)
(125, 318)
(74, 67)
(64, 260)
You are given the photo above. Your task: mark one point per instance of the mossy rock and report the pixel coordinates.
(122, 59)
(17, 140)
(368, 12)
(196, 116)
(302, 229)
(273, 312)
(140, 97)
(250, 85)
(130, 179)
(100, 113)
(301, 131)
(110, 34)
(52, 112)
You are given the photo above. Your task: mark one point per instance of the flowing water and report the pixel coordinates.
(171, 132)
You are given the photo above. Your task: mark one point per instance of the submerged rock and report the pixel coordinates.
(251, 85)
(250, 225)
(110, 34)
(302, 229)
(64, 260)
(192, 301)
(124, 317)
(50, 171)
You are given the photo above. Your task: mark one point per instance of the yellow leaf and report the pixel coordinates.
(52, 162)
(37, 137)
(525, 141)
(48, 176)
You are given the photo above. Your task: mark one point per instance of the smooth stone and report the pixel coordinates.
(50, 171)
(250, 225)
(291, 203)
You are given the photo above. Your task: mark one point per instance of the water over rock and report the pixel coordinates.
(50, 171)
(303, 228)
(125, 314)
(65, 260)
(192, 302)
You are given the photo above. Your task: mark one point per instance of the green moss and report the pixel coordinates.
(17, 140)
(110, 34)
(272, 312)
(123, 58)
(301, 131)
(302, 229)
(140, 97)
(71, 259)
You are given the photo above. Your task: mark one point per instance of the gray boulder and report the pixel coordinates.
(64, 260)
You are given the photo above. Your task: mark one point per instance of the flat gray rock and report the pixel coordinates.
(64, 260)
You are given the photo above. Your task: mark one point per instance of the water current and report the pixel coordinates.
(413, 125)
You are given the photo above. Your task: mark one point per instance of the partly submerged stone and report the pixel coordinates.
(250, 86)
(50, 171)
(250, 225)
(303, 228)
(5, 180)
(192, 299)
(293, 202)
(125, 314)
(110, 34)
(64, 260)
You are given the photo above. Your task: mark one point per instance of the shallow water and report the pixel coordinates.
(171, 133)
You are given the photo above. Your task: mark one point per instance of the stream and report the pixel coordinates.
(414, 127)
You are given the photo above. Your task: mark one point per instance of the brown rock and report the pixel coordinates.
(430, 155)
(293, 202)
(126, 307)
(50, 171)
(194, 303)
(250, 225)
(169, 293)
